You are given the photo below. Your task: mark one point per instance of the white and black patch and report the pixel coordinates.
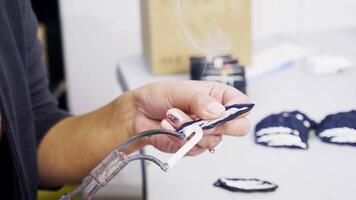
(286, 129)
(280, 137)
(339, 135)
(245, 185)
(231, 112)
(339, 128)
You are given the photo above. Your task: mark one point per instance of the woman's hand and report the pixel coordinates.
(170, 104)
(76, 144)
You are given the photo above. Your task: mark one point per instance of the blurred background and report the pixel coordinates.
(86, 40)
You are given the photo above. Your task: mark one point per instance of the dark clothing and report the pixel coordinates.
(10, 185)
(28, 109)
(1, 127)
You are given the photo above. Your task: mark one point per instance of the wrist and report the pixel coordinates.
(126, 113)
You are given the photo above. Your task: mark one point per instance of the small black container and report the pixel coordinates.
(224, 69)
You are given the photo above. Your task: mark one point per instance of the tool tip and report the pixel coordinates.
(250, 105)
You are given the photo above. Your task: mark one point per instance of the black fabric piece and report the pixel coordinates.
(337, 120)
(231, 117)
(7, 172)
(220, 183)
(288, 120)
(28, 108)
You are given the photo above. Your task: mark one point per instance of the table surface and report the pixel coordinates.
(323, 172)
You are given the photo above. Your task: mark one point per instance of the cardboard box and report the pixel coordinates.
(172, 34)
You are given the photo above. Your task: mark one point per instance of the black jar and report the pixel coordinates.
(224, 69)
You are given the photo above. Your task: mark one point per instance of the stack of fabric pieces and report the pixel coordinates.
(292, 129)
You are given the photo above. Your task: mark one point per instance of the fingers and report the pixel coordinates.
(206, 107)
(206, 99)
(166, 143)
(233, 96)
(223, 93)
(199, 99)
(193, 97)
(210, 141)
(202, 98)
(227, 95)
(176, 118)
(237, 127)
(196, 151)
(166, 125)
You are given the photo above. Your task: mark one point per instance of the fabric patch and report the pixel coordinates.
(339, 128)
(286, 129)
(231, 112)
(245, 185)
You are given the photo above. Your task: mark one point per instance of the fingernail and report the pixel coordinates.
(174, 117)
(215, 108)
(166, 125)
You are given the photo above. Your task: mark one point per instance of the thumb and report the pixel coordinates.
(198, 103)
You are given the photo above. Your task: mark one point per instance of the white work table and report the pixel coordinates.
(323, 172)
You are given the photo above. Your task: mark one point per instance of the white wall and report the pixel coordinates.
(274, 17)
(98, 33)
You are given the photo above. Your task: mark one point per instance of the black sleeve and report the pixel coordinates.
(44, 106)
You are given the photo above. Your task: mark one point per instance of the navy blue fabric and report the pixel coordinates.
(28, 108)
(229, 118)
(289, 120)
(338, 120)
(222, 184)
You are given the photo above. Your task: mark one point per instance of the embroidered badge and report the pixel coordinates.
(245, 185)
(339, 128)
(286, 129)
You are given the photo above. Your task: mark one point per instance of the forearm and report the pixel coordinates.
(76, 144)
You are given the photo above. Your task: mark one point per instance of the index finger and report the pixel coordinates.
(228, 95)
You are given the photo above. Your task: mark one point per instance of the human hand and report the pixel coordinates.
(170, 104)
(89, 138)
